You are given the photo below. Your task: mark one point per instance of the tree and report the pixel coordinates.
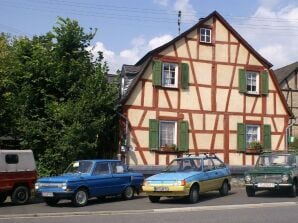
(65, 105)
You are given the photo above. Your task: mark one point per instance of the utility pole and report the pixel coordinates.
(179, 21)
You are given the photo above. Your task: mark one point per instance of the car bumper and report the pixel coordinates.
(171, 191)
(53, 194)
(268, 185)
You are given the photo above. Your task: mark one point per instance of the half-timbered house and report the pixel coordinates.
(206, 91)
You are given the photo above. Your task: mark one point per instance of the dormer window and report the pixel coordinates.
(205, 35)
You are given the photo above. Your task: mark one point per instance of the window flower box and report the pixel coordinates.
(254, 148)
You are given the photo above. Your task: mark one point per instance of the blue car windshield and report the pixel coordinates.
(184, 165)
(79, 167)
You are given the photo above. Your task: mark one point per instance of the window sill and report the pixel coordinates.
(253, 94)
(207, 44)
(168, 88)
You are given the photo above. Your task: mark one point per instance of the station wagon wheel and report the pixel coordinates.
(250, 191)
(80, 198)
(193, 194)
(20, 195)
(128, 193)
(154, 199)
(51, 201)
(224, 189)
(3, 197)
(293, 190)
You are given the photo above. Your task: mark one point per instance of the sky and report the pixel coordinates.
(128, 29)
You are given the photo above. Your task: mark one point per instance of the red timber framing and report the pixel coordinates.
(221, 124)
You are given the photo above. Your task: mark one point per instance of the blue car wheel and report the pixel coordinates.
(128, 193)
(80, 197)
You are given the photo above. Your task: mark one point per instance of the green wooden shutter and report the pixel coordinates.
(156, 68)
(153, 134)
(241, 137)
(266, 138)
(183, 136)
(184, 75)
(264, 83)
(242, 81)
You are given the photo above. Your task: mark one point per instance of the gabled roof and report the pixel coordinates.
(144, 61)
(265, 62)
(284, 72)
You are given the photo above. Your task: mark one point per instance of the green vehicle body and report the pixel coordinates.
(273, 171)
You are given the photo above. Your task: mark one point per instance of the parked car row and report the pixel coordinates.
(187, 177)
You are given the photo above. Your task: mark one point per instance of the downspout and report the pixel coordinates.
(289, 126)
(126, 134)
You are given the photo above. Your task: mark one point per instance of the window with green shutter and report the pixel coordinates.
(157, 71)
(153, 134)
(241, 137)
(264, 83)
(266, 138)
(183, 136)
(184, 75)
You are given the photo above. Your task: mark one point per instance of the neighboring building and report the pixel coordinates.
(288, 82)
(206, 91)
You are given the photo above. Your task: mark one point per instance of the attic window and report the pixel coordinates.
(205, 35)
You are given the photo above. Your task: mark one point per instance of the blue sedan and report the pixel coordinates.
(90, 178)
(188, 177)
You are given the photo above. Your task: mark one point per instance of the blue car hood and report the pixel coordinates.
(61, 178)
(173, 176)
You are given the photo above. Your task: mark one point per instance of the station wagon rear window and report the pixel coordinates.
(11, 159)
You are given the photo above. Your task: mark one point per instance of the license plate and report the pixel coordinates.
(161, 189)
(47, 194)
(266, 185)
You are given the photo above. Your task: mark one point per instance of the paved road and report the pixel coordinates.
(212, 208)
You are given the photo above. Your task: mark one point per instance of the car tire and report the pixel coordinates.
(20, 195)
(128, 193)
(51, 201)
(3, 197)
(80, 197)
(224, 189)
(154, 199)
(193, 194)
(250, 191)
(293, 190)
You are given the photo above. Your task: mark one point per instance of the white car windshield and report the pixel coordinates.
(184, 165)
(79, 167)
(274, 160)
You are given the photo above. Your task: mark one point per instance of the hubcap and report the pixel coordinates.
(128, 192)
(21, 195)
(81, 197)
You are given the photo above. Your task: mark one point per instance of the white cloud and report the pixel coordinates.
(161, 2)
(139, 47)
(273, 32)
(108, 54)
(187, 11)
(160, 40)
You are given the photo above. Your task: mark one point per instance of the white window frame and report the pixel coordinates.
(203, 37)
(164, 84)
(175, 132)
(257, 76)
(258, 133)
